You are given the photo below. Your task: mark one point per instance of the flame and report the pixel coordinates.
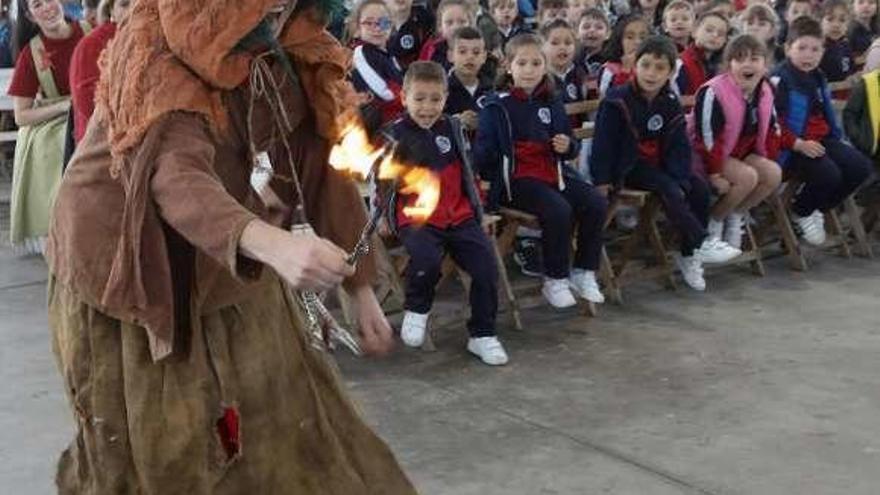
(356, 155)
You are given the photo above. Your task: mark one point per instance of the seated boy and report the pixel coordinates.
(640, 142)
(467, 53)
(594, 29)
(830, 168)
(428, 138)
(678, 22)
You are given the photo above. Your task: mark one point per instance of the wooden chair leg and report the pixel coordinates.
(857, 227)
(789, 239)
(606, 274)
(512, 305)
(653, 232)
(758, 262)
(832, 219)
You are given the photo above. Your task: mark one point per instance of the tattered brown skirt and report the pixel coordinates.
(252, 408)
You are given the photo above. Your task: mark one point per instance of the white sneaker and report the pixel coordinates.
(691, 270)
(584, 284)
(812, 227)
(733, 231)
(627, 218)
(488, 349)
(557, 293)
(716, 251)
(715, 229)
(413, 329)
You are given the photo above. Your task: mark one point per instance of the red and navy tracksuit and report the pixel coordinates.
(406, 41)
(436, 49)
(644, 145)
(454, 227)
(572, 86)
(803, 103)
(837, 63)
(377, 72)
(460, 98)
(513, 150)
(695, 69)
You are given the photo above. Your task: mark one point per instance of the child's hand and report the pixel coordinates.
(719, 183)
(561, 143)
(812, 149)
(469, 119)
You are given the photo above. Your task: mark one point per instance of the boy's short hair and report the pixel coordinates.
(466, 33)
(597, 14)
(802, 27)
(760, 11)
(445, 4)
(659, 46)
(544, 5)
(425, 72)
(829, 6)
(678, 5)
(744, 46)
(708, 15)
(714, 4)
(494, 4)
(548, 28)
(792, 2)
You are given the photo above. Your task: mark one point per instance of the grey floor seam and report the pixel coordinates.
(24, 285)
(606, 451)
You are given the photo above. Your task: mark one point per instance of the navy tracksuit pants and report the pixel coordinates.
(686, 205)
(471, 250)
(558, 212)
(829, 179)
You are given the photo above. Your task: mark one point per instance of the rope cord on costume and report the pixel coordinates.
(263, 85)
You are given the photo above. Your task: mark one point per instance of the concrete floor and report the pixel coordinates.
(760, 386)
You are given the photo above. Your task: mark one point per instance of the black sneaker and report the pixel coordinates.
(527, 254)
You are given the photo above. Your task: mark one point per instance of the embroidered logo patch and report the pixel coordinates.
(572, 91)
(443, 144)
(407, 42)
(544, 115)
(655, 123)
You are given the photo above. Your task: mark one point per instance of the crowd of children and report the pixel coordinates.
(491, 108)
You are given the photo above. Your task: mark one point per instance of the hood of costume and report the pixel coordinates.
(175, 56)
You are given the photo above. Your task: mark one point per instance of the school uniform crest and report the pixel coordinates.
(655, 123)
(407, 41)
(544, 115)
(443, 144)
(572, 90)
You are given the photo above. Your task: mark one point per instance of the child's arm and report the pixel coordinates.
(487, 156)
(606, 140)
(709, 131)
(562, 127)
(680, 82)
(788, 139)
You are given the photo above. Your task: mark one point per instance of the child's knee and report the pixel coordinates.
(770, 173)
(557, 217)
(745, 178)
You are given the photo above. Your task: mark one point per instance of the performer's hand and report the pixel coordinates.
(305, 261)
(377, 338)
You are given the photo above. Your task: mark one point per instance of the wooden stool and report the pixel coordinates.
(622, 273)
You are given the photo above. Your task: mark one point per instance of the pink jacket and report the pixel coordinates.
(728, 94)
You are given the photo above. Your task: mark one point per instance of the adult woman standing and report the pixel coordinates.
(186, 360)
(40, 91)
(84, 70)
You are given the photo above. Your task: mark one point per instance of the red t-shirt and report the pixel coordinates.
(84, 75)
(58, 53)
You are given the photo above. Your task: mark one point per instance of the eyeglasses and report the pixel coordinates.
(382, 23)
